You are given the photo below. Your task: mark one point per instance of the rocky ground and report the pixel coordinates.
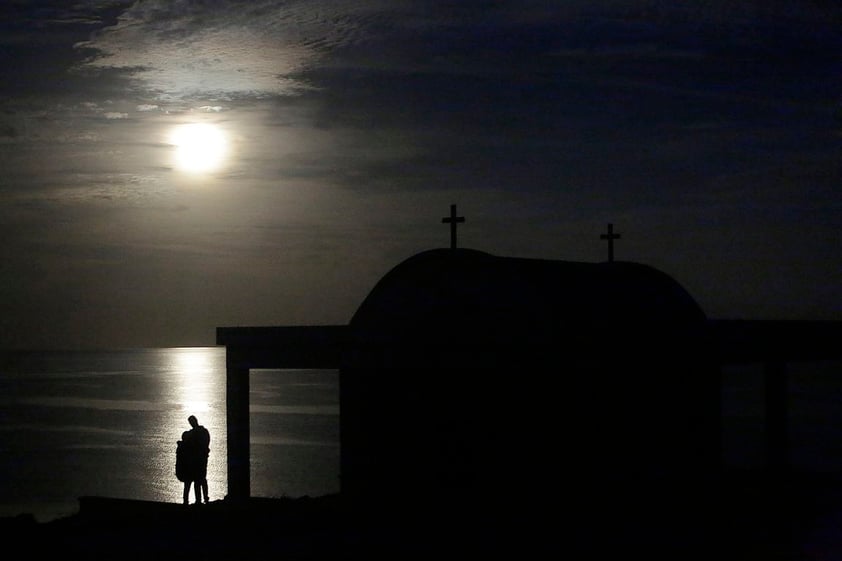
(745, 518)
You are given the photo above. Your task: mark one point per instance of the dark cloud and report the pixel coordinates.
(545, 105)
(36, 39)
(7, 130)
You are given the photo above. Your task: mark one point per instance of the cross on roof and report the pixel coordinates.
(610, 236)
(453, 220)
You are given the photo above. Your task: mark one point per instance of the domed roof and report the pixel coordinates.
(468, 295)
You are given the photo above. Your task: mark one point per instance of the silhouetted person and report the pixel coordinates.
(185, 464)
(191, 464)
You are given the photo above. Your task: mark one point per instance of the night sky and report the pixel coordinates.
(329, 138)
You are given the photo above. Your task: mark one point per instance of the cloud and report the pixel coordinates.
(226, 50)
(220, 50)
(115, 115)
(719, 12)
(22, 14)
(147, 107)
(8, 131)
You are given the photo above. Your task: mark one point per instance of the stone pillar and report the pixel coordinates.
(237, 422)
(777, 441)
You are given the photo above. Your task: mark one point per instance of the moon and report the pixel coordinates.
(199, 147)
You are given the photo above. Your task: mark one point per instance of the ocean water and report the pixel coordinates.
(106, 423)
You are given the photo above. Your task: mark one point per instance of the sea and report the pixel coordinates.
(106, 423)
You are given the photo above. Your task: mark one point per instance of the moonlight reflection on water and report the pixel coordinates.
(195, 383)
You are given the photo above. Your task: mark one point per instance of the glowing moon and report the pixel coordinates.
(199, 147)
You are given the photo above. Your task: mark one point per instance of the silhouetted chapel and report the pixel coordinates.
(499, 386)
(463, 373)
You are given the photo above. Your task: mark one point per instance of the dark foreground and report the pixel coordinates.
(744, 517)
